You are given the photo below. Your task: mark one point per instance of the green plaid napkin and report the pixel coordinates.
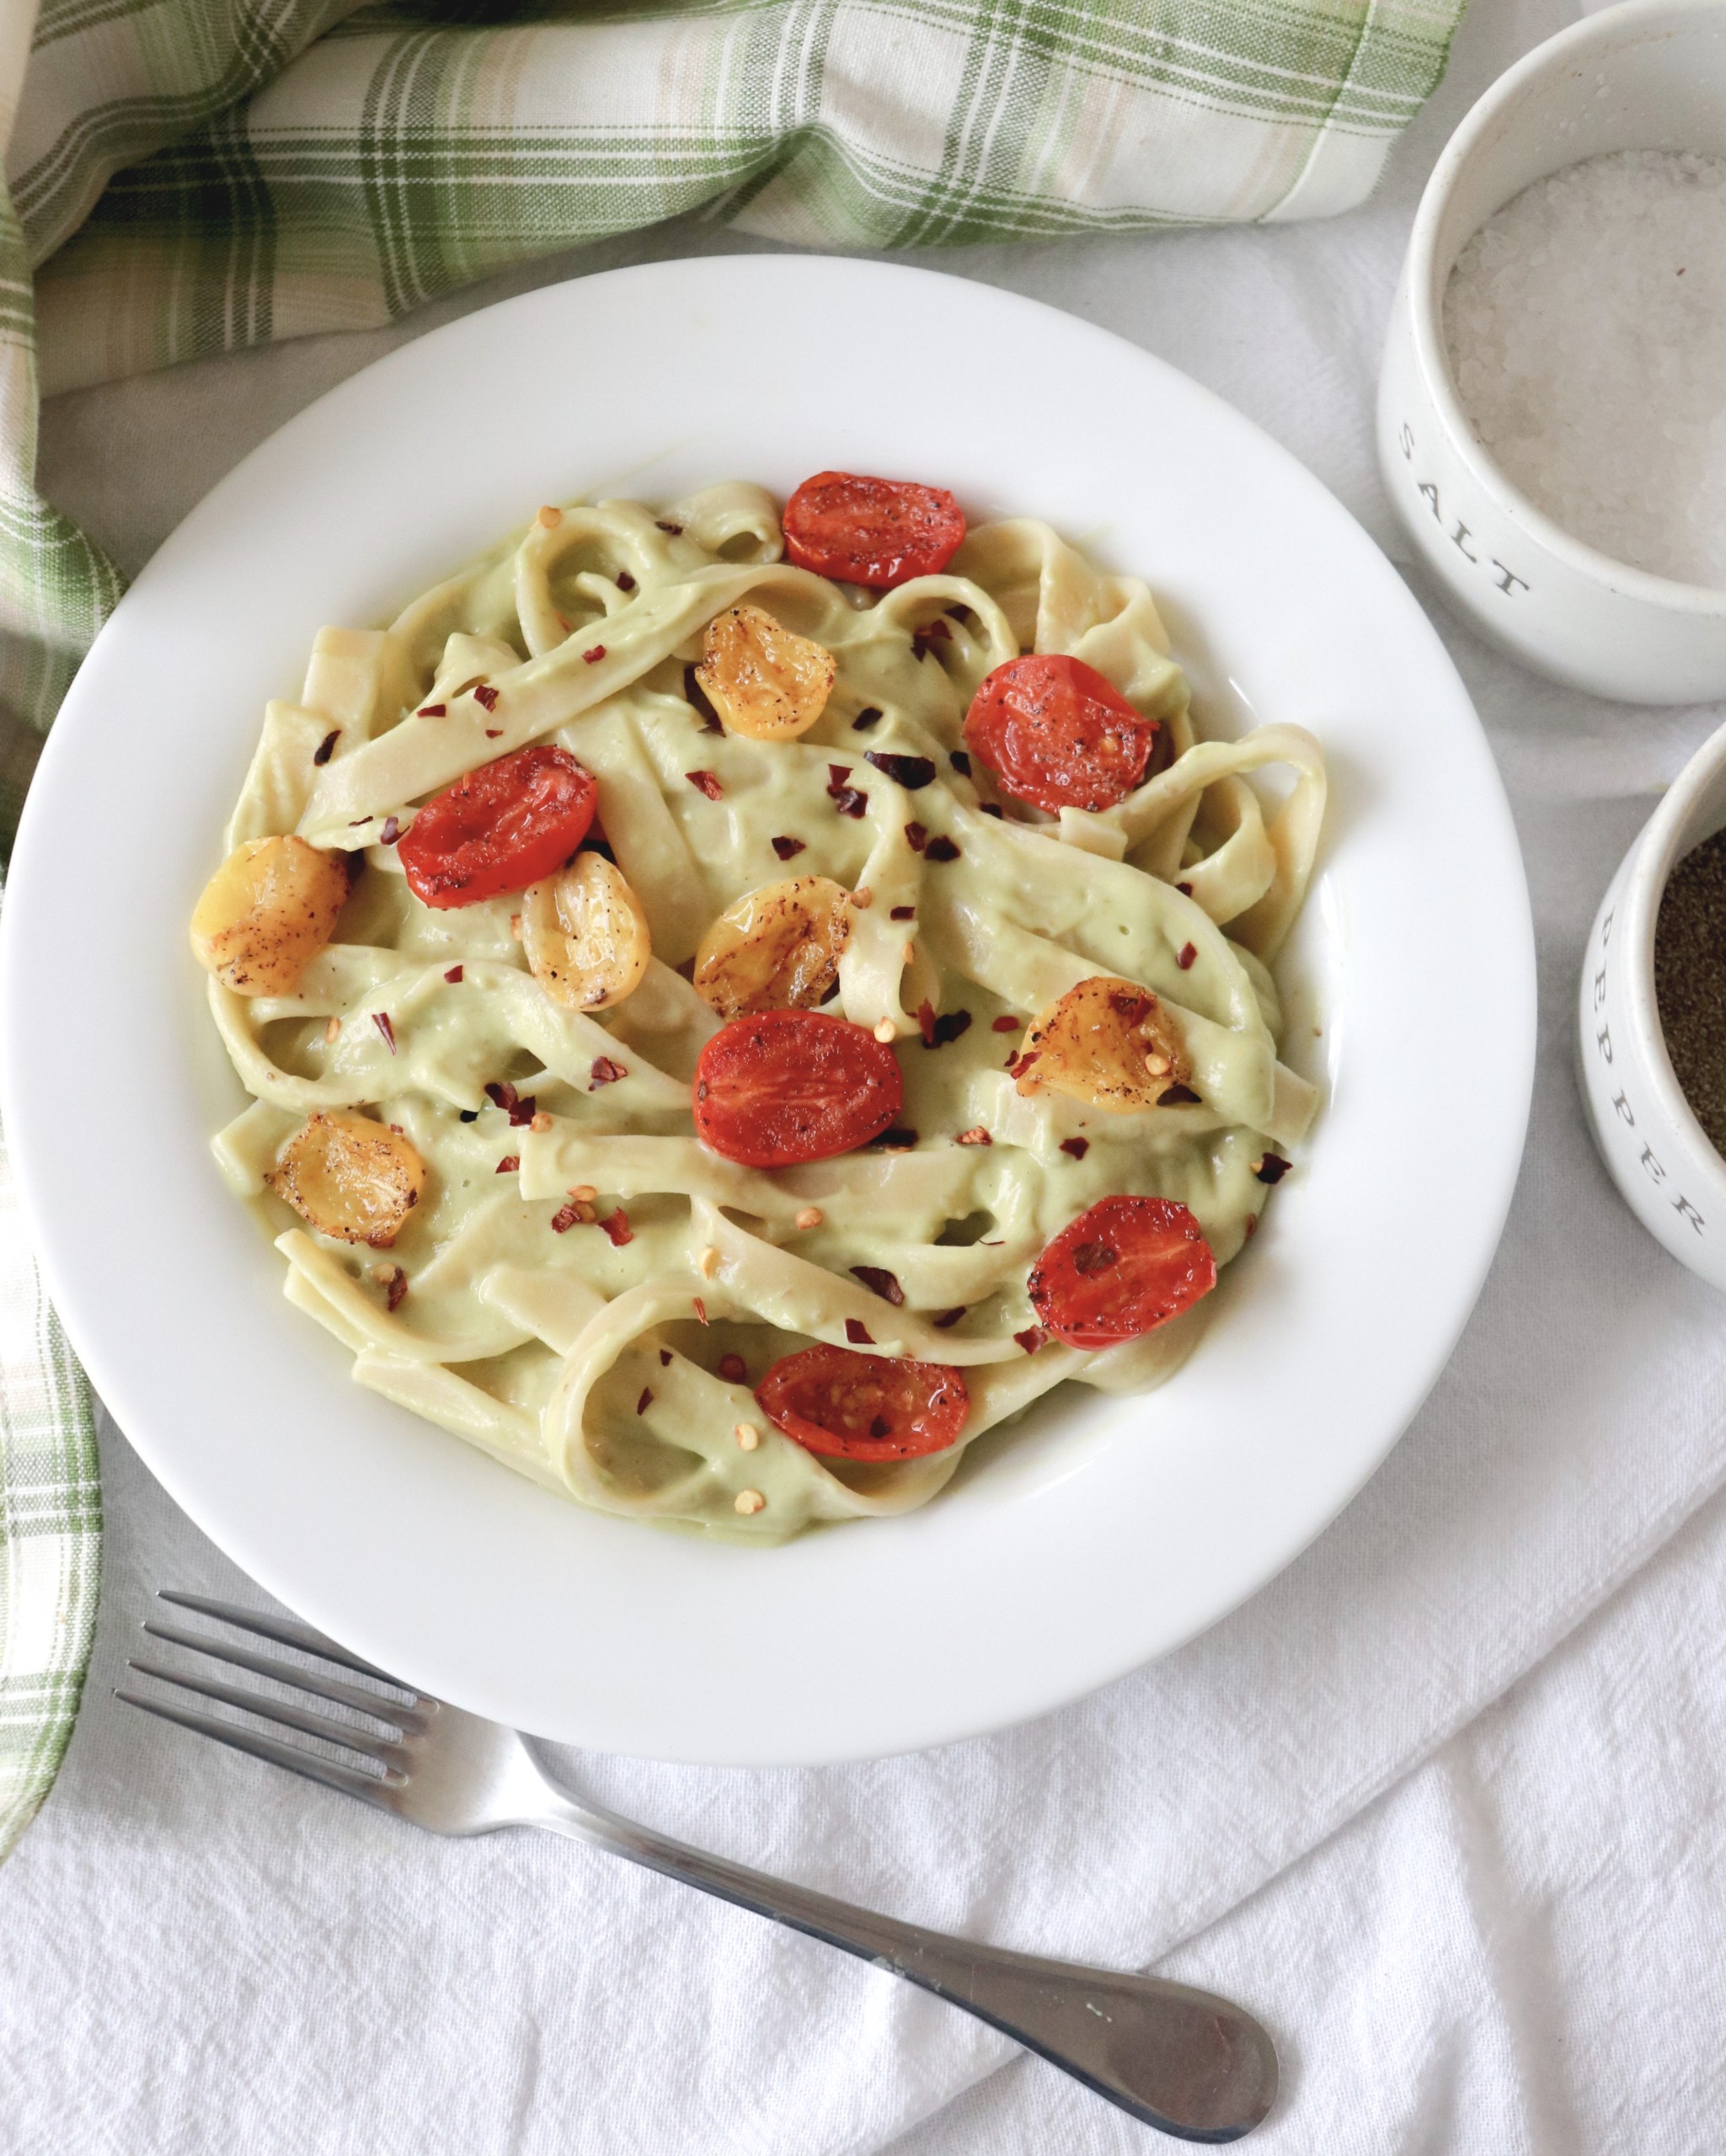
(185, 177)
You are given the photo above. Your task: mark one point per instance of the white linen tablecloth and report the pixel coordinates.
(1444, 1803)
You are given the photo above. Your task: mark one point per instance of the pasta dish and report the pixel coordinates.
(736, 1005)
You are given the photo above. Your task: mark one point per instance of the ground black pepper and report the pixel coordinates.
(1690, 981)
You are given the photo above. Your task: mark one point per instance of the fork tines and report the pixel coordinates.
(376, 1765)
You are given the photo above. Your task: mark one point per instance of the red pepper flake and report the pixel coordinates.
(675, 530)
(733, 1369)
(942, 850)
(1185, 890)
(645, 1400)
(494, 734)
(501, 1094)
(665, 1358)
(1251, 1226)
(391, 832)
(625, 581)
(911, 772)
(508, 1166)
(1078, 1147)
(355, 822)
(605, 1072)
(326, 747)
(431, 711)
(858, 1333)
(616, 1226)
(701, 1309)
(394, 1288)
(867, 717)
(960, 762)
(1031, 1339)
(381, 1020)
(1189, 953)
(523, 1112)
(1005, 1025)
(915, 837)
(565, 1218)
(486, 696)
(881, 1283)
(453, 975)
(705, 783)
(926, 1022)
(1272, 1168)
(944, 1319)
(845, 797)
(787, 848)
(594, 657)
(935, 632)
(1018, 1065)
(903, 913)
(974, 1136)
(947, 1027)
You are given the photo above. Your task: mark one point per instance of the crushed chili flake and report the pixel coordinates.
(942, 850)
(326, 747)
(935, 632)
(381, 1020)
(733, 1369)
(453, 975)
(1031, 1339)
(355, 822)
(976, 1135)
(486, 696)
(501, 1094)
(1185, 890)
(903, 913)
(915, 837)
(943, 1319)
(849, 802)
(594, 656)
(494, 734)
(564, 1219)
(896, 1140)
(675, 530)
(1188, 951)
(616, 1226)
(391, 832)
(858, 1333)
(1251, 1226)
(787, 848)
(625, 581)
(879, 1282)
(960, 762)
(645, 1400)
(395, 1288)
(665, 1358)
(867, 717)
(605, 1072)
(908, 771)
(707, 783)
(431, 711)
(1272, 1168)
(1078, 1147)
(1005, 1025)
(508, 1166)
(1174, 1096)
(701, 1309)
(523, 1112)
(925, 1018)
(946, 1027)
(1017, 1066)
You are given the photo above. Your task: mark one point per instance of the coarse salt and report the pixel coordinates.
(1586, 326)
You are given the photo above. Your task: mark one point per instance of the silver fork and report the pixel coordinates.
(1182, 2060)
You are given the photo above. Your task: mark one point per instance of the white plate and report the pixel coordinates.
(1100, 1532)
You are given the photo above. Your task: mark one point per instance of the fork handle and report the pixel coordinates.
(1185, 2061)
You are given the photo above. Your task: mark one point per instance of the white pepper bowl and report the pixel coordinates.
(1650, 75)
(1654, 1149)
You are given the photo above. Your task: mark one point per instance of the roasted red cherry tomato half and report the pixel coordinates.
(1125, 1268)
(1057, 734)
(879, 532)
(790, 1085)
(500, 829)
(852, 1407)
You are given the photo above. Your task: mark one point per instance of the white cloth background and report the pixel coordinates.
(1444, 1804)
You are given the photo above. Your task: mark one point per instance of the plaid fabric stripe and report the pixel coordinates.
(188, 176)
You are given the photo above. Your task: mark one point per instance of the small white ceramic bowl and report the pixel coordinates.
(1656, 1151)
(1650, 75)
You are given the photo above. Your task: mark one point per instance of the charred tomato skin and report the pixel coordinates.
(1057, 733)
(779, 1087)
(1122, 1268)
(834, 1401)
(507, 824)
(875, 532)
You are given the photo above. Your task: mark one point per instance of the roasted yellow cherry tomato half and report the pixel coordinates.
(1108, 1042)
(349, 1176)
(266, 912)
(764, 679)
(778, 949)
